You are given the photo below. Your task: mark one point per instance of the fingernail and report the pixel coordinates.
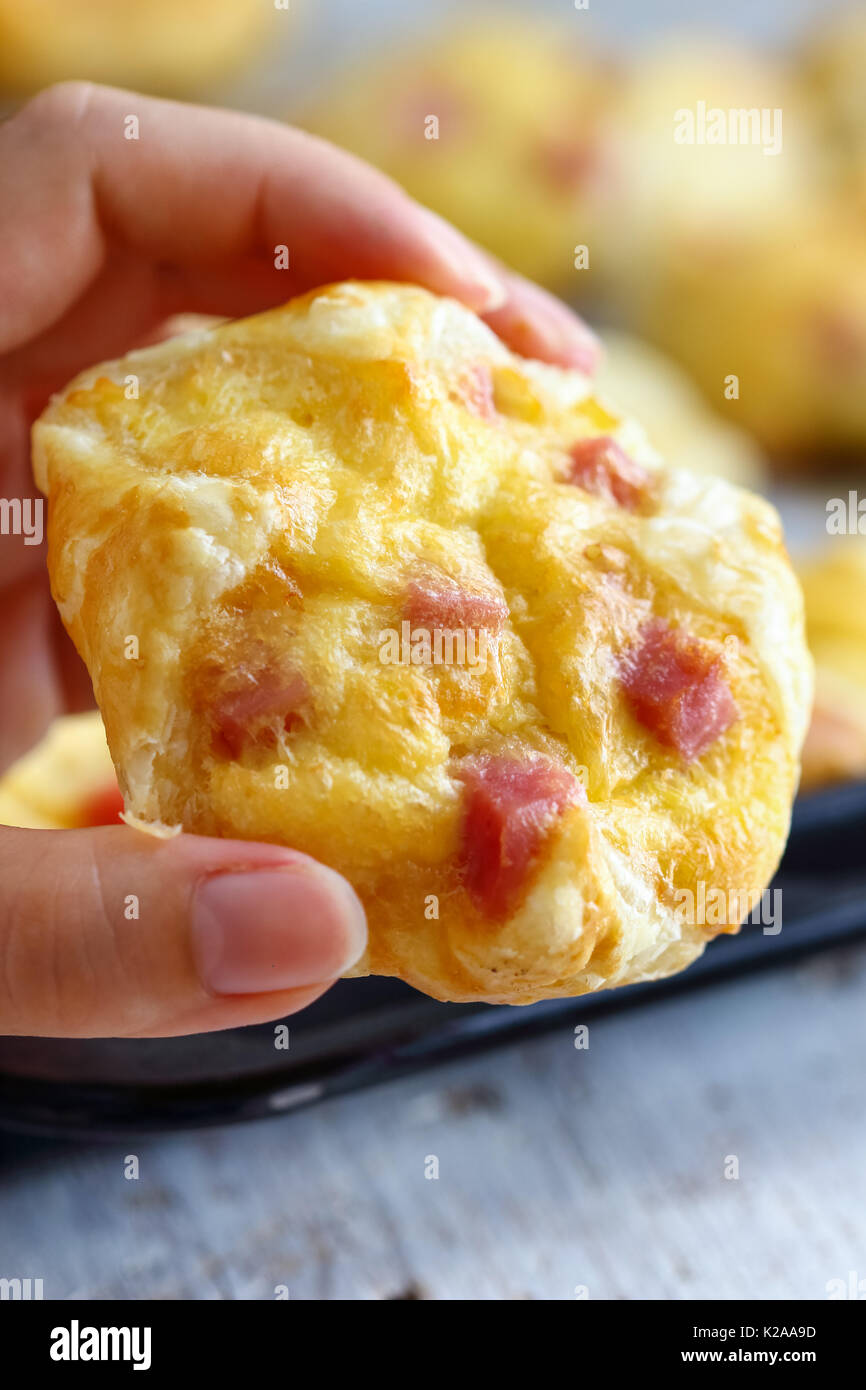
(569, 340)
(556, 338)
(278, 928)
(583, 356)
(492, 293)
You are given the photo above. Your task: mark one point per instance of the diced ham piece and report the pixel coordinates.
(510, 808)
(475, 390)
(434, 601)
(600, 466)
(677, 690)
(102, 807)
(255, 708)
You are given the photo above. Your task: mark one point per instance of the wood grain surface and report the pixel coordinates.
(559, 1169)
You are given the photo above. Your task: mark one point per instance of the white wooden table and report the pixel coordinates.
(558, 1169)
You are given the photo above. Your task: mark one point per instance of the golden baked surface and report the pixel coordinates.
(245, 524)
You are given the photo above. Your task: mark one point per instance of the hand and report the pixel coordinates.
(101, 239)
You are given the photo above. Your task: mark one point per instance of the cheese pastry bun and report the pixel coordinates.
(651, 386)
(831, 65)
(725, 243)
(711, 145)
(67, 781)
(150, 45)
(784, 314)
(834, 585)
(496, 125)
(352, 577)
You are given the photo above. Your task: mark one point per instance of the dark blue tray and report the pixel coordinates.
(366, 1031)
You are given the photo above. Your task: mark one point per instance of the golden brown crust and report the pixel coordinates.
(252, 521)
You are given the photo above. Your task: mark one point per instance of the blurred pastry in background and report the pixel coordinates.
(15, 811)
(686, 194)
(727, 244)
(773, 329)
(834, 586)
(67, 781)
(655, 390)
(150, 45)
(832, 67)
(710, 145)
(497, 126)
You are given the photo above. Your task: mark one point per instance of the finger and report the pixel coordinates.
(118, 309)
(202, 189)
(124, 307)
(199, 188)
(536, 324)
(30, 691)
(130, 936)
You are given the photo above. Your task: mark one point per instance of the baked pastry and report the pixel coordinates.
(352, 577)
(834, 586)
(831, 65)
(516, 156)
(152, 45)
(656, 390)
(696, 177)
(725, 243)
(785, 314)
(712, 145)
(66, 782)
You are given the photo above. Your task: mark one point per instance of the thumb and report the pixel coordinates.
(112, 933)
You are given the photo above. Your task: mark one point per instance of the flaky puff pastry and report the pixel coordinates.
(237, 548)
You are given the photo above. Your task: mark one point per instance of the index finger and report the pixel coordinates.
(85, 168)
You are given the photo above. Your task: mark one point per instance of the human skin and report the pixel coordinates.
(102, 238)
